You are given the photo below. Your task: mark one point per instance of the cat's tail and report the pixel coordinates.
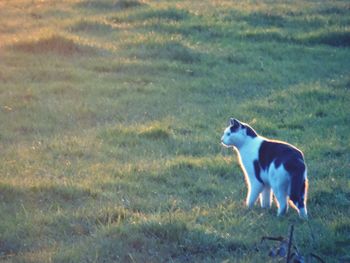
(299, 185)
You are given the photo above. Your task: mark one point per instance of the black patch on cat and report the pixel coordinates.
(295, 166)
(257, 171)
(250, 132)
(279, 153)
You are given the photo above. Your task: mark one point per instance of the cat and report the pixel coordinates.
(270, 167)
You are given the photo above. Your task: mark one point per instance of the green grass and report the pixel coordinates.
(111, 114)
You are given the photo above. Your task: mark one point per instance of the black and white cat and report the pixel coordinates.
(269, 165)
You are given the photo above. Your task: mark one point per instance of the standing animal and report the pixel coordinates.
(269, 165)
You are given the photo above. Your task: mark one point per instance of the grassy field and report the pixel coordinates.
(111, 113)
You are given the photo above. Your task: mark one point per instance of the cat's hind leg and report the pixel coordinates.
(280, 181)
(303, 213)
(265, 197)
(282, 202)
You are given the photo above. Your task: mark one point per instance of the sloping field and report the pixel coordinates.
(111, 113)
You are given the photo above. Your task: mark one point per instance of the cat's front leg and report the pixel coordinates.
(254, 191)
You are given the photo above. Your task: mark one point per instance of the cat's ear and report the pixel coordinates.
(234, 122)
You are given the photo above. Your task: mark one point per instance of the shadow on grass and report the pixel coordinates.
(260, 19)
(333, 10)
(23, 208)
(318, 27)
(171, 21)
(44, 196)
(171, 50)
(164, 15)
(158, 242)
(170, 14)
(174, 21)
(141, 72)
(193, 29)
(192, 244)
(56, 44)
(91, 27)
(335, 38)
(110, 5)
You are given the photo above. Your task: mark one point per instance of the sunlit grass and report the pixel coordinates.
(111, 117)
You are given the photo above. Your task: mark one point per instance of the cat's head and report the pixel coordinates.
(237, 133)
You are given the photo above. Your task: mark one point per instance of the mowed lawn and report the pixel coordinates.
(111, 114)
